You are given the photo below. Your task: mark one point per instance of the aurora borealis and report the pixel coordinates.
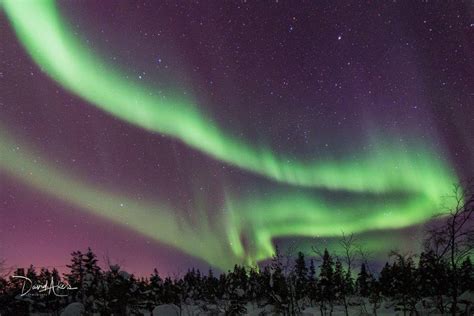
(206, 147)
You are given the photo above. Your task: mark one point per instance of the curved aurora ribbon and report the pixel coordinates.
(243, 230)
(53, 46)
(256, 222)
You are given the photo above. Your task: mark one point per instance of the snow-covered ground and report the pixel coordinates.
(364, 307)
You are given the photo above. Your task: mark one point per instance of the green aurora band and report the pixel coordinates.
(150, 218)
(52, 45)
(391, 187)
(283, 214)
(242, 231)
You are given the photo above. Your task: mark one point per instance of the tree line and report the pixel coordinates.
(404, 282)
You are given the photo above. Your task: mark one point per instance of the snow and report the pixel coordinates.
(166, 310)
(467, 297)
(73, 309)
(363, 307)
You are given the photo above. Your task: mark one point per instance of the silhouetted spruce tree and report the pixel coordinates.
(55, 275)
(341, 287)
(404, 278)
(235, 295)
(279, 288)
(75, 277)
(118, 283)
(192, 288)
(265, 280)
(362, 282)
(31, 274)
(312, 288)
(221, 288)
(301, 273)
(154, 296)
(211, 284)
(198, 293)
(339, 280)
(91, 283)
(143, 294)
(50, 303)
(240, 274)
(170, 292)
(134, 301)
(432, 275)
(386, 280)
(254, 287)
(326, 283)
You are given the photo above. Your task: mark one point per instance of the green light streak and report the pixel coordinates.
(153, 219)
(286, 214)
(52, 45)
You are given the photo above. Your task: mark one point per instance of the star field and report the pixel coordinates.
(203, 133)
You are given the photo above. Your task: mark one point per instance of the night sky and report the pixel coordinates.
(173, 134)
